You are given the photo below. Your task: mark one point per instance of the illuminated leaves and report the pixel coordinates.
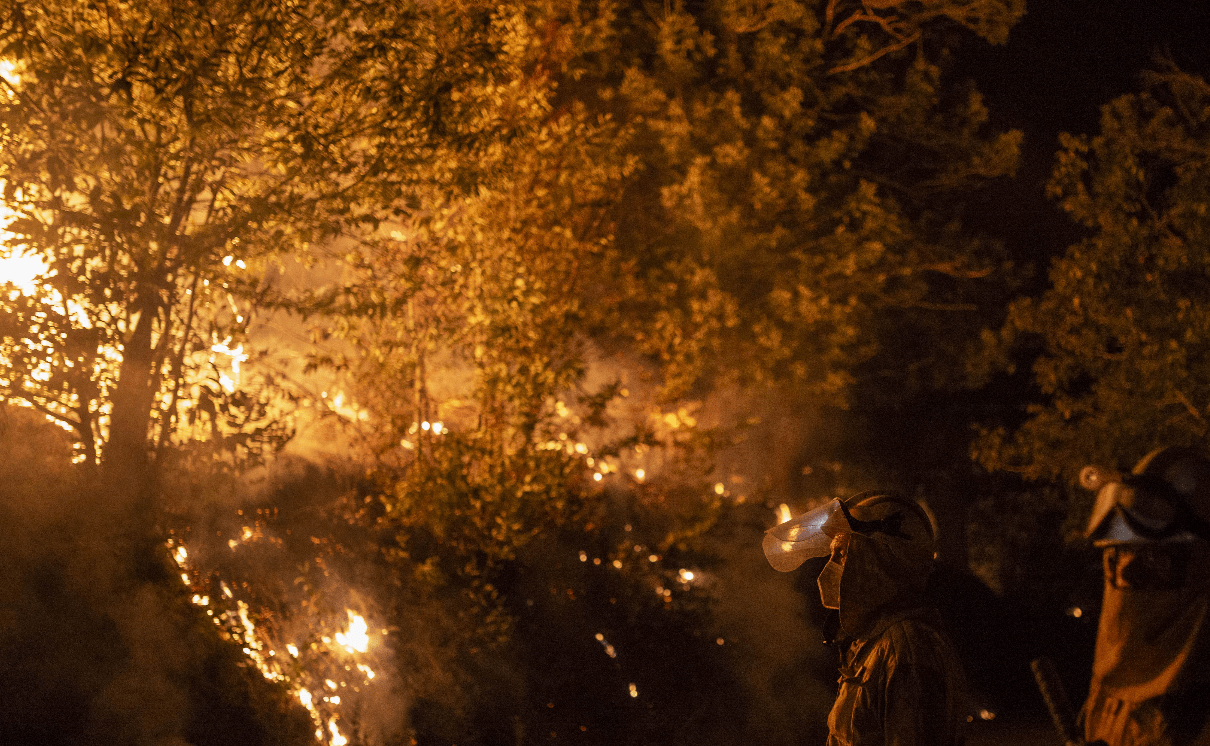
(795, 183)
(153, 154)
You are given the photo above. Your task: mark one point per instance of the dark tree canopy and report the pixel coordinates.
(1122, 335)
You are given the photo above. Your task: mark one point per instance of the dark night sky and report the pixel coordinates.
(1063, 61)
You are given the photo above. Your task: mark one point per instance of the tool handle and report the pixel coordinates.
(1061, 712)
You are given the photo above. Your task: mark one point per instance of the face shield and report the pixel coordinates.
(789, 544)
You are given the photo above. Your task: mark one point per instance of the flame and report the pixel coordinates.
(356, 638)
(240, 624)
(237, 355)
(783, 513)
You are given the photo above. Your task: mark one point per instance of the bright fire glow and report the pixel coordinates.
(783, 513)
(356, 638)
(8, 71)
(22, 271)
(237, 355)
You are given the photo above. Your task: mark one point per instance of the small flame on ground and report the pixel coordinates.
(239, 624)
(337, 738)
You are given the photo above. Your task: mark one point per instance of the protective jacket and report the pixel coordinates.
(901, 682)
(1151, 670)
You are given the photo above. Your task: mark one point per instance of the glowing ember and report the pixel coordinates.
(609, 649)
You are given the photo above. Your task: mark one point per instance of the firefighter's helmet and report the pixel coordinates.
(890, 514)
(1165, 498)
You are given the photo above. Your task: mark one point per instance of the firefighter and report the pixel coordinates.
(901, 682)
(1151, 668)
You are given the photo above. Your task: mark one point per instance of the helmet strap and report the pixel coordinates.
(891, 525)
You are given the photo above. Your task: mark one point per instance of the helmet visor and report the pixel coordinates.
(1134, 504)
(1107, 499)
(789, 544)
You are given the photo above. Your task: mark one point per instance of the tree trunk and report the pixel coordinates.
(126, 462)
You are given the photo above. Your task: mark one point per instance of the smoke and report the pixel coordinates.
(95, 648)
(280, 565)
(100, 643)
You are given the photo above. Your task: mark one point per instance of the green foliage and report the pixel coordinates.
(462, 315)
(703, 197)
(799, 176)
(727, 196)
(1122, 334)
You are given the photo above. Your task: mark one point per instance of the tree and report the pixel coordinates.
(1119, 342)
(802, 171)
(708, 198)
(157, 156)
